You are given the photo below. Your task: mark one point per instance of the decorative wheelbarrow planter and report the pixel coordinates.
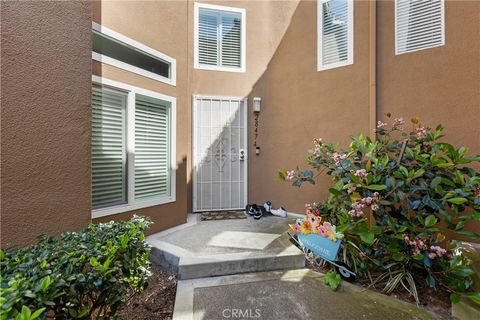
(320, 250)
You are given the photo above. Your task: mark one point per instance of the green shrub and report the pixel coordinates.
(397, 198)
(78, 275)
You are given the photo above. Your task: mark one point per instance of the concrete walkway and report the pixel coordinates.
(285, 295)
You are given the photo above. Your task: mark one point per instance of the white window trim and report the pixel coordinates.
(243, 42)
(128, 67)
(131, 204)
(350, 44)
(420, 49)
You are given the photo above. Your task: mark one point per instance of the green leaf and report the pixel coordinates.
(37, 313)
(45, 283)
(474, 296)
(435, 182)
(454, 298)
(334, 191)
(332, 279)
(377, 187)
(93, 262)
(398, 256)
(24, 314)
(430, 221)
(464, 272)
(367, 237)
(457, 200)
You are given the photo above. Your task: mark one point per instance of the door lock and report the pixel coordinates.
(242, 155)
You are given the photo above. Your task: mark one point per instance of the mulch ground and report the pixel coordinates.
(157, 301)
(435, 301)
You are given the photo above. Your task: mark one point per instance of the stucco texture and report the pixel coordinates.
(45, 119)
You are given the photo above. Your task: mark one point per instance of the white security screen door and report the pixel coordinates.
(219, 153)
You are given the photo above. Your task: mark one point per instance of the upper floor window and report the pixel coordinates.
(335, 33)
(219, 38)
(115, 49)
(419, 24)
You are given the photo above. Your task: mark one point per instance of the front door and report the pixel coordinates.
(219, 153)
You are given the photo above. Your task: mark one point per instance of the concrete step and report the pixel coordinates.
(215, 248)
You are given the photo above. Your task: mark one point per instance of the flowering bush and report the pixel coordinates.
(396, 199)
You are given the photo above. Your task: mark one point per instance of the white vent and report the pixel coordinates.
(419, 24)
(335, 33)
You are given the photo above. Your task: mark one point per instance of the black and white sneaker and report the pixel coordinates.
(251, 209)
(258, 213)
(268, 206)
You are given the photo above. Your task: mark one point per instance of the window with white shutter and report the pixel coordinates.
(133, 148)
(335, 33)
(219, 38)
(419, 24)
(108, 147)
(152, 163)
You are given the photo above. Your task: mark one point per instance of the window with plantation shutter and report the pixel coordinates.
(219, 38)
(133, 148)
(335, 33)
(108, 147)
(152, 161)
(419, 24)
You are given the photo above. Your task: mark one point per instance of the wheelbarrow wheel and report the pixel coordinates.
(345, 271)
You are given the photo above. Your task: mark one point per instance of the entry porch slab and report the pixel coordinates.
(200, 249)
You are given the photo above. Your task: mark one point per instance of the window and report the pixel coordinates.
(419, 24)
(335, 33)
(133, 148)
(122, 52)
(219, 38)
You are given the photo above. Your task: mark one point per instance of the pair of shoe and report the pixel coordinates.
(257, 212)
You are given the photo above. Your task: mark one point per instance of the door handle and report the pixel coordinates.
(242, 154)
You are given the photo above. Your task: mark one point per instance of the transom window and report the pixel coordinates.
(132, 148)
(115, 49)
(335, 33)
(419, 24)
(219, 38)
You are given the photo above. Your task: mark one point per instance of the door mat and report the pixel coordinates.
(222, 215)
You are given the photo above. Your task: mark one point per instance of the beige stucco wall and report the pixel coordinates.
(300, 104)
(161, 25)
(45, 119)
(440, 85)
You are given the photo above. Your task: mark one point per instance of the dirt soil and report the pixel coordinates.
(435, 301)
(157, 301)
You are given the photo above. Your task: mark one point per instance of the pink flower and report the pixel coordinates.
(362, 173)
(438, 250)
(375, 207)
(398, 121)
(317, 152)
(351, 189)
(432, 255)
(290, 175)
(381, 124)
(338, 158)
(421, 132)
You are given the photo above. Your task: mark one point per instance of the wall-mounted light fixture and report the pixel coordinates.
(257, 104)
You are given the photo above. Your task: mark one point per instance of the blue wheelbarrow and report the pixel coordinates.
(320, 250)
